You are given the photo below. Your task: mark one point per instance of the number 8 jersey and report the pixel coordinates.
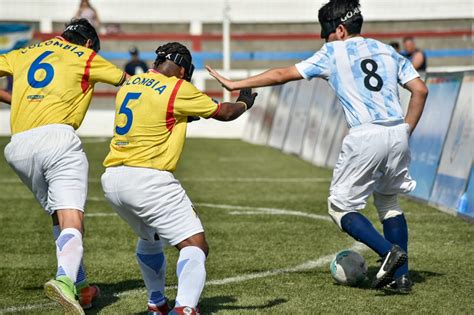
(54, 82)
(365, 74)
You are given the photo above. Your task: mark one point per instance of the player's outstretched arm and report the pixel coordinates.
(231, 111)
(5, 97)
(419, 93)
(270, 77)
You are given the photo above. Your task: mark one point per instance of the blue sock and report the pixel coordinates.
(396, 231)
(357, 226)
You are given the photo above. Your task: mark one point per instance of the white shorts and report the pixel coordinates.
(51, 162)
(373, 158)
(153, 202)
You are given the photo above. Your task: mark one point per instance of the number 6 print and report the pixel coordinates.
(37, 65)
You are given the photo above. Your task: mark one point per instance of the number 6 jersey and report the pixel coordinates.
(365, 74)
(53, 83)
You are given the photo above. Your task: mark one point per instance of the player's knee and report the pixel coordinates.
(387, 206)
(197, 240)
(147, 247)
(336, 213)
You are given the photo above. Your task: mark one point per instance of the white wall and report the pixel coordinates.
(179, 11)
(100, 123)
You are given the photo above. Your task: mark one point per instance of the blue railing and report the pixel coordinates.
(199, 58)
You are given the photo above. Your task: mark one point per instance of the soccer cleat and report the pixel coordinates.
(163, 309)
(402, 284)
(63, 291)
(87, 295)
(185, 310)
(394, 259)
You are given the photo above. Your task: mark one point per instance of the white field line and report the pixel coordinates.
(219, 179)
(95, 140)
(308, 265)
(265, 210)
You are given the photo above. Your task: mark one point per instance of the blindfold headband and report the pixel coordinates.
(328, 27)
(86, 33)
(180, 61)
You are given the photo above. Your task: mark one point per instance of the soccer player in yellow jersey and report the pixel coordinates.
(152, 111)
(52, 88)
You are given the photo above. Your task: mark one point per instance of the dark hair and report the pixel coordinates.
(77, 36)
(408, 38)
(336, 12)
(395, 45)
(172, 48)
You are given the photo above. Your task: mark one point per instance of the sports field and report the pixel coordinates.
(265, 215)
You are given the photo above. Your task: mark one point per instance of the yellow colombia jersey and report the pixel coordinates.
(53, 82)
(151, 119)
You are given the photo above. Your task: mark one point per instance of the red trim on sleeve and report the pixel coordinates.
(87, 70)
(219, 106)
(170, 120)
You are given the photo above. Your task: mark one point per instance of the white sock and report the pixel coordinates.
(81, 280)
(191, 272)
(152, 262)
(69, 252)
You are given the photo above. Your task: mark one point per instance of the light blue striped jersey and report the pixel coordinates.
(365, 74)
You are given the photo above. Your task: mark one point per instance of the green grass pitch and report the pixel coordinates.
(263, 260)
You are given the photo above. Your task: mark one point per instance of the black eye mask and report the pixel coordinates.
(328, 27)
(180, 61)
(86, 33)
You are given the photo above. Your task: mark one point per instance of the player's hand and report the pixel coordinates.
(246, 96)
(226, 83)
(193, 118)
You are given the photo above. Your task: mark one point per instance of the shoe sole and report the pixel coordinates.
(388, 276)
(54, 293)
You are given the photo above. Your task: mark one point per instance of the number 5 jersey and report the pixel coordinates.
(151, 115)
(365, 74)
(53, 82)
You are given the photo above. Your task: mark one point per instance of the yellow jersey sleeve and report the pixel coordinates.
(101, 70)
(192, 102)
(6, 64)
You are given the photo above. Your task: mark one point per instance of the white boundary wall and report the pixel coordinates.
(211, 11)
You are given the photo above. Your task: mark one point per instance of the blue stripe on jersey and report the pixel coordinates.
(342, 65)
(377, 53)
(366, 95)
(394, 107)
(350, 113)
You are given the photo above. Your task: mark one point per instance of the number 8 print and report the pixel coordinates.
(371, 73)
(37, 65)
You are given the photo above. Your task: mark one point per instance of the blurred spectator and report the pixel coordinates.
(86, 11)
(415, 55)
(135, 65)
(395, 46)
(113, 28)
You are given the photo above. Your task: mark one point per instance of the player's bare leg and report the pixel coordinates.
(69, 252)
(191, 272)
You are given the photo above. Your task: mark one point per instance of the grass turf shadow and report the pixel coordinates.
(211, 305)
(416, 276)
(108, 293)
